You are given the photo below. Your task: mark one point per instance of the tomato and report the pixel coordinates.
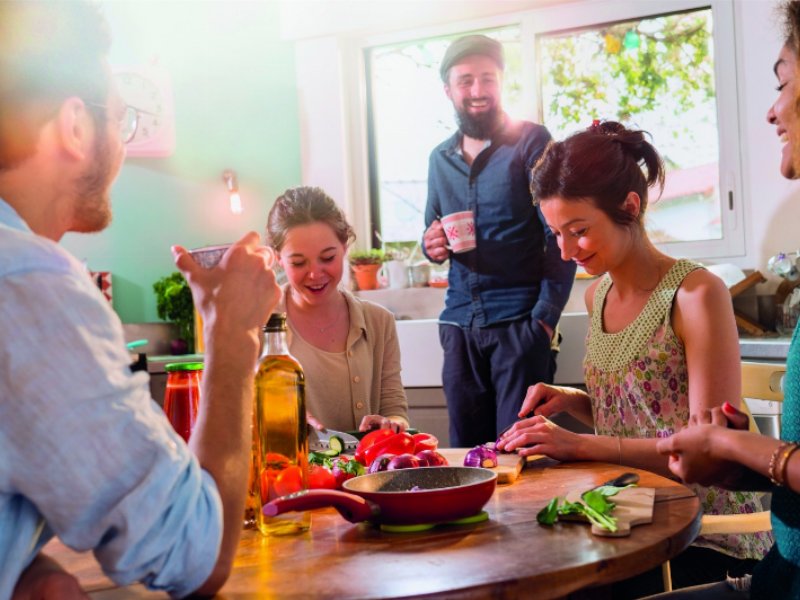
(344, 469)
(266, 480)
(369, 440)
(320, 478)
(274, 464)
(425, 441)
(289, 481)
(397, 443)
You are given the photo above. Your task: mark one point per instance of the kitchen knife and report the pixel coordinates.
(320, 440)
(622, 480)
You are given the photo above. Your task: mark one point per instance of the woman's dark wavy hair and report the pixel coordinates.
(789, 15)
(302, 206)
(603, 163)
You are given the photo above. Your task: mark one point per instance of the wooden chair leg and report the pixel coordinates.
(666, 576)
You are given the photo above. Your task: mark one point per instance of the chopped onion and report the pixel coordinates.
(481, 456)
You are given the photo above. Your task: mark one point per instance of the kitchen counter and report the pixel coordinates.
(765, 348)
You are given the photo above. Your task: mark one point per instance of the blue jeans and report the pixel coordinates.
(487, 372)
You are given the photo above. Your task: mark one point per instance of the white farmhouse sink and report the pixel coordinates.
(421, 353)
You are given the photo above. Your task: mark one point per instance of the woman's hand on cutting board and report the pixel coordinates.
(539, 435)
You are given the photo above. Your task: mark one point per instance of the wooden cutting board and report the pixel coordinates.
(508, 465)
(634, 507)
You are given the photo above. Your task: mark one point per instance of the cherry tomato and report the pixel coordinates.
(425, 441)
(369, 440)
(289, 481)
(320, 478)
(274, 464)
(267, 482)
(397, 443)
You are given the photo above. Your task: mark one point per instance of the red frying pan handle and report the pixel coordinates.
(351, 507)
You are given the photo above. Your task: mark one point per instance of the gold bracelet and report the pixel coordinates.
(777, 462)
(619, 448)
(784, 461)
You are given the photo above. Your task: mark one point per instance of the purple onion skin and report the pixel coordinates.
(431, 458)
(481, 456)
(403, 461)
(381, 463)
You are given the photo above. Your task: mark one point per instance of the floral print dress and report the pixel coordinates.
(638, 382)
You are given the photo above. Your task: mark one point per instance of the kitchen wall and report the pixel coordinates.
(236, 105)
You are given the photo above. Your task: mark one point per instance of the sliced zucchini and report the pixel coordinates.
(336, 444)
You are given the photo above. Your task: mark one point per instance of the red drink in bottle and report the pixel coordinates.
(182, 396)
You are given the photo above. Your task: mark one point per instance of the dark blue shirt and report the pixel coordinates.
(516, 270)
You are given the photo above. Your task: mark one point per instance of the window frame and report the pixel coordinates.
(564, 17)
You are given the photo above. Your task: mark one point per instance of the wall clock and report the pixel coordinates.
(149, 90)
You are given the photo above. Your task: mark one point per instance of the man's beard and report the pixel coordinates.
(93, 204)
(479, 126)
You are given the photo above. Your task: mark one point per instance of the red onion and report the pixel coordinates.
(403, 461)
(431, 458)
(380, 463)
(481, 456)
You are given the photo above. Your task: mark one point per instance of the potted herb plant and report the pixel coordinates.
(365, 265)
(174, 303)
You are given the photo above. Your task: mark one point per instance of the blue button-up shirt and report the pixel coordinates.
(516, 270)
(85, 453)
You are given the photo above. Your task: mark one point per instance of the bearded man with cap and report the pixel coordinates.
(504, 297)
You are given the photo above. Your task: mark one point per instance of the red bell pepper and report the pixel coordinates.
(397, 443)
(368, 440)
(425, 441)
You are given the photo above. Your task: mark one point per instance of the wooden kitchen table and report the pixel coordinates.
(508, 556)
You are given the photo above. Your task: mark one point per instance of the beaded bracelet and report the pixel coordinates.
(778, 462)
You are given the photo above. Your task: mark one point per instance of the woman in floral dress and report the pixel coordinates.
(662, 342)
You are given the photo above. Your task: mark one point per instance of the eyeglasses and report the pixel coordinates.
(128, 122)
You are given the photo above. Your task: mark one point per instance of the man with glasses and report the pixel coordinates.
(85, 454)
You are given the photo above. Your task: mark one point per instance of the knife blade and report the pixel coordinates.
(623, 480)
(320, 440)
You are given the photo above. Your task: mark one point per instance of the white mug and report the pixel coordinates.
(459, 228)
(397, 273)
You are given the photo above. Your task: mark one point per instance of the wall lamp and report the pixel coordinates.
(229, 177)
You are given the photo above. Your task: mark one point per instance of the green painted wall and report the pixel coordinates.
(236, 107)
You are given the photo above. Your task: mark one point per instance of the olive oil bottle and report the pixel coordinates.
(280, 444)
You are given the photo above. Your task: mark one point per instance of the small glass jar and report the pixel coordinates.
(786, 315)
(182, 396)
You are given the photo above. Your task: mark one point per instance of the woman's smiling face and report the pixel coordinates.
(783, 113)
(313, 259)
(586, 235)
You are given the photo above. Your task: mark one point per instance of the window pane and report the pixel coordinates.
(655, 74)
(411, 115)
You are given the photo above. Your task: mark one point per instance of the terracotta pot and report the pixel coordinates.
(366, 276)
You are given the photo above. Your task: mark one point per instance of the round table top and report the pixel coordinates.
(507, 556)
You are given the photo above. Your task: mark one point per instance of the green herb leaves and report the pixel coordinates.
(595, 506)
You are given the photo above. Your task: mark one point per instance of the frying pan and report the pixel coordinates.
(400, 497)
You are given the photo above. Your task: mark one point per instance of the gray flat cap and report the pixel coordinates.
(468, 45)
